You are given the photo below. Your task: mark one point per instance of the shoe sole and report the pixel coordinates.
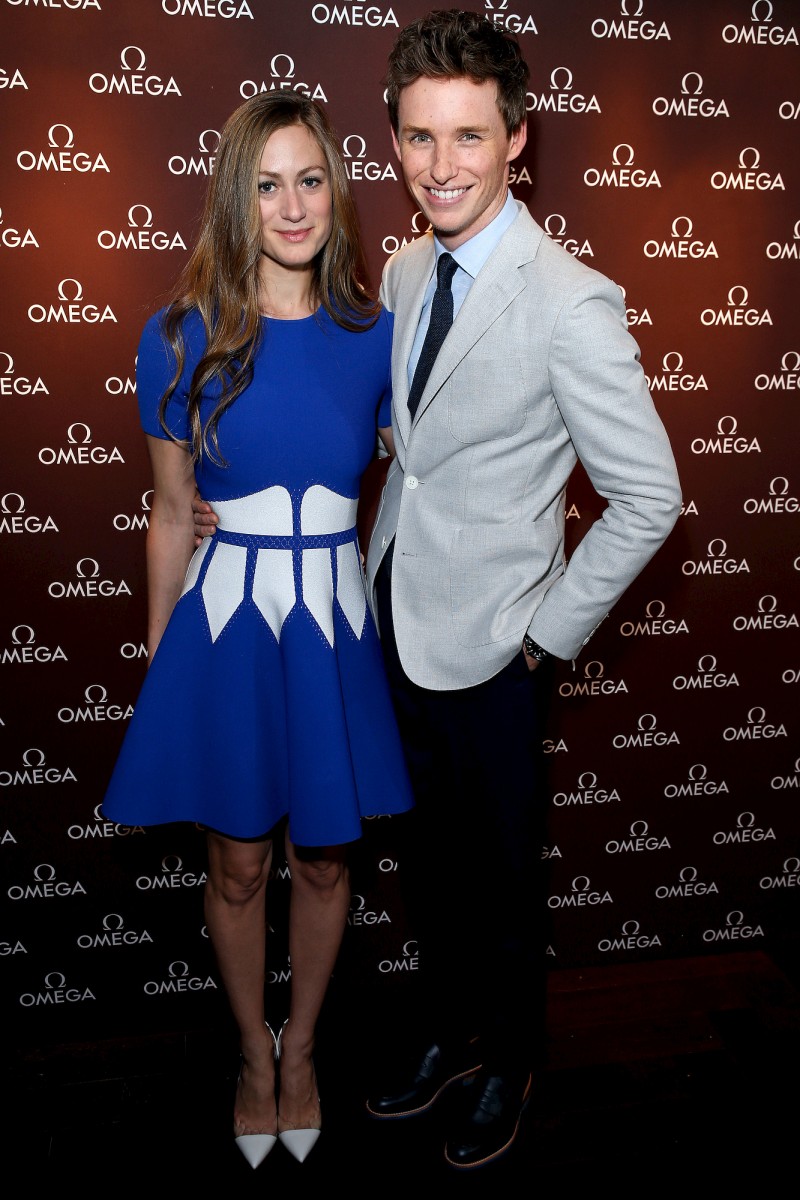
(413, 1112)
(502, 1150)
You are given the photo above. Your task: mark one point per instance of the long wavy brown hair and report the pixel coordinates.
(220, 279)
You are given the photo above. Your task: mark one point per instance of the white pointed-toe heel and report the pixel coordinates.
(256, 1146)
(299, 1142)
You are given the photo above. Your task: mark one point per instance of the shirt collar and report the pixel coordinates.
(474, 253)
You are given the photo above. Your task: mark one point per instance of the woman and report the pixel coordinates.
(262, 384)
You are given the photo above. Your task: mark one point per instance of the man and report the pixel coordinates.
(466, 568)
(466, 561)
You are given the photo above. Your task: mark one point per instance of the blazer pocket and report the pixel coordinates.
(498, 575)
(486, 398)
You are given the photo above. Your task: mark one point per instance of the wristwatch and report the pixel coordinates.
(533, 649)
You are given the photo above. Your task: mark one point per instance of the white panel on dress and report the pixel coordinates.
(323, 512)
(318, 588)
(198, 558)
(273, 587)
(350, 586)
(268, 513)
(223, 586)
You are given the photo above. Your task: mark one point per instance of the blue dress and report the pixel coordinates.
(267, 694)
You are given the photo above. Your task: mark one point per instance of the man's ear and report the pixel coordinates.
(395, 143)
(516, 143)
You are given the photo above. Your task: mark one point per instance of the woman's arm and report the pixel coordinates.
(387, 437)
(170, 535)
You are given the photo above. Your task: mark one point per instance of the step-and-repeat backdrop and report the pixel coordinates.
(663, 152)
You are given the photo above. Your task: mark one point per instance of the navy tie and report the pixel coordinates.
(440, 322)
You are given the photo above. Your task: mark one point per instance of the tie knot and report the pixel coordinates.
(446, 268)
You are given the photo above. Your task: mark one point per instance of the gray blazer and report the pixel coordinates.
(537, 371)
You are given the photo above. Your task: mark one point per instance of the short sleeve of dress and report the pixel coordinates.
(155, 367)
(385, 407)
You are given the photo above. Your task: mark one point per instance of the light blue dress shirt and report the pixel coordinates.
(470, 258)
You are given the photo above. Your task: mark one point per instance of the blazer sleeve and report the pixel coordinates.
(602, 395)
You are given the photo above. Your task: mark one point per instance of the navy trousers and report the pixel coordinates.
(472, 871)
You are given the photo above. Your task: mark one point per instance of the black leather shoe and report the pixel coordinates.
(494, 1109)
(423, 1086)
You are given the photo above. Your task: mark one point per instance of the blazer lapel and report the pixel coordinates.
(406, 319)
(498, 284)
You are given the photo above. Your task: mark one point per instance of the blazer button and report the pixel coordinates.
(412, 482)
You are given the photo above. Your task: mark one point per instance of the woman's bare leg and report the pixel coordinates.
(236, 920)
(318, 907)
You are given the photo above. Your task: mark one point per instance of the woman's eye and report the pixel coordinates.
(265, 187)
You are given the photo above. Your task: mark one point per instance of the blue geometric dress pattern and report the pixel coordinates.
(271, 648)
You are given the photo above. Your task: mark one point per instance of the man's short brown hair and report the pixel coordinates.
(453, 44)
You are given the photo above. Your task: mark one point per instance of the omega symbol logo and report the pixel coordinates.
(791, 865)
(10, 368)
(554, 79)
(687, 874)
(63, 292)
(79, 425)
(698, 771)
(734, 918)
(593, 670)
(359, 140)
(40, 873)
(580, 883)
(774, 486)
(743, 157)
(678, 362)
(743, 822)
(53, 141)
(201, 141)
(757, 5)
(615, 157)
(623, 8)
(639, 828)
(275, 73)
(767, 604)
(721, 552)
(146, 223)
(732, 292)
(498, 5)
(558, 232)
(5, 506)
(685, 85)
(38, 762)
(98, 816)
(646, 721)
(414, 225)
(587, 780)
(707, 664)
(16, 639)
(123, 59)
(178, 969)
(630, 927)
(727, 429)
(59, 978)
(790, 361)
(92, 573)
(170, 863)
(408, 953)
(675, 231)
(90, 694)
(146, 497)
(112, 921)
(655, 608)
(357, 907)
(756, 716)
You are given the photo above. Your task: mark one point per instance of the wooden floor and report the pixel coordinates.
(686, 1069)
